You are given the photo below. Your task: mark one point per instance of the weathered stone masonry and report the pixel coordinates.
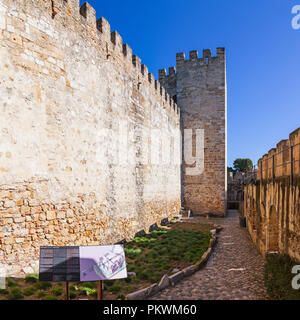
(272, 204)
(64, 78)
(199, 85)
(70, 92)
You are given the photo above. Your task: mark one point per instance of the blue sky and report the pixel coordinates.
(263, 57)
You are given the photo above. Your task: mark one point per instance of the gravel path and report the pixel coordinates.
(234, 271)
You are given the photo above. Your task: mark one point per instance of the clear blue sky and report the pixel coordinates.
(263, 57)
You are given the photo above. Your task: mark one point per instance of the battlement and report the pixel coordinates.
(84, 19)
(282, 160)
(205, 60)
(88, 17)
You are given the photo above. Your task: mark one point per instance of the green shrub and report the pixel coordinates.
(129, 288)
(43, 285)
(134, 279)
(41, 294)
(91, 285)
(131, 253)
(133, 250)
(115, 289)
(11, 283)
(50, 298)
(15, 294)
(144, 275)
(73, 288)
(72, 295)
(4, 291)
(278, 277)
(29, 291)
(32, 278)
(121, 296)
(88, 291)
(57, 291)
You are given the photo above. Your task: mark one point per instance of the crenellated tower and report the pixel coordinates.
(198, 85)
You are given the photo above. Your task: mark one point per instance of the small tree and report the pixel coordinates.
(230, 169)
(243, 165)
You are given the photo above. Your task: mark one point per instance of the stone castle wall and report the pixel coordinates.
(68, 89)
(199, 86)
(272, 204)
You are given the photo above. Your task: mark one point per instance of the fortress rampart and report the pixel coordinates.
(271, 204)
(69, 91)
(90, 146)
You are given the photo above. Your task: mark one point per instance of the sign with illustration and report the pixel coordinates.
(102, 263)
(90, 263)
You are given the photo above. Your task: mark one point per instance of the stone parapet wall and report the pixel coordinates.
(271, 205)
(70, 93)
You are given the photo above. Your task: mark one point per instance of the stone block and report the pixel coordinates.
(140, 234)
(164, 282)
(188, 271)
(70, 213)
(19, 203)
(175, 278)
(9, 204)
(25, 209)
(61, 215)
(138, 295)
(164, 222)
(206, 255)
(51, 215)
(153, 290)
(153, 227)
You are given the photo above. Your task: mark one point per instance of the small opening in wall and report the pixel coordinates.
(206, 60)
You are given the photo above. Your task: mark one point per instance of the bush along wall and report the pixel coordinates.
(279, 276)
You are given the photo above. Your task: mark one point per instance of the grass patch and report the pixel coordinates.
(11, 283)
(87, 291)
(43, 285)
(41, 294)
(4, 291)
(49, 297)
(15, 294)
(121, 296)
(57, 291)
(115, 288)
(158, 253)
(72, 295)
(29, 291)
(278, 277)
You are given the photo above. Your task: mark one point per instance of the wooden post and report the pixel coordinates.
(67, 291)
(99, 291)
